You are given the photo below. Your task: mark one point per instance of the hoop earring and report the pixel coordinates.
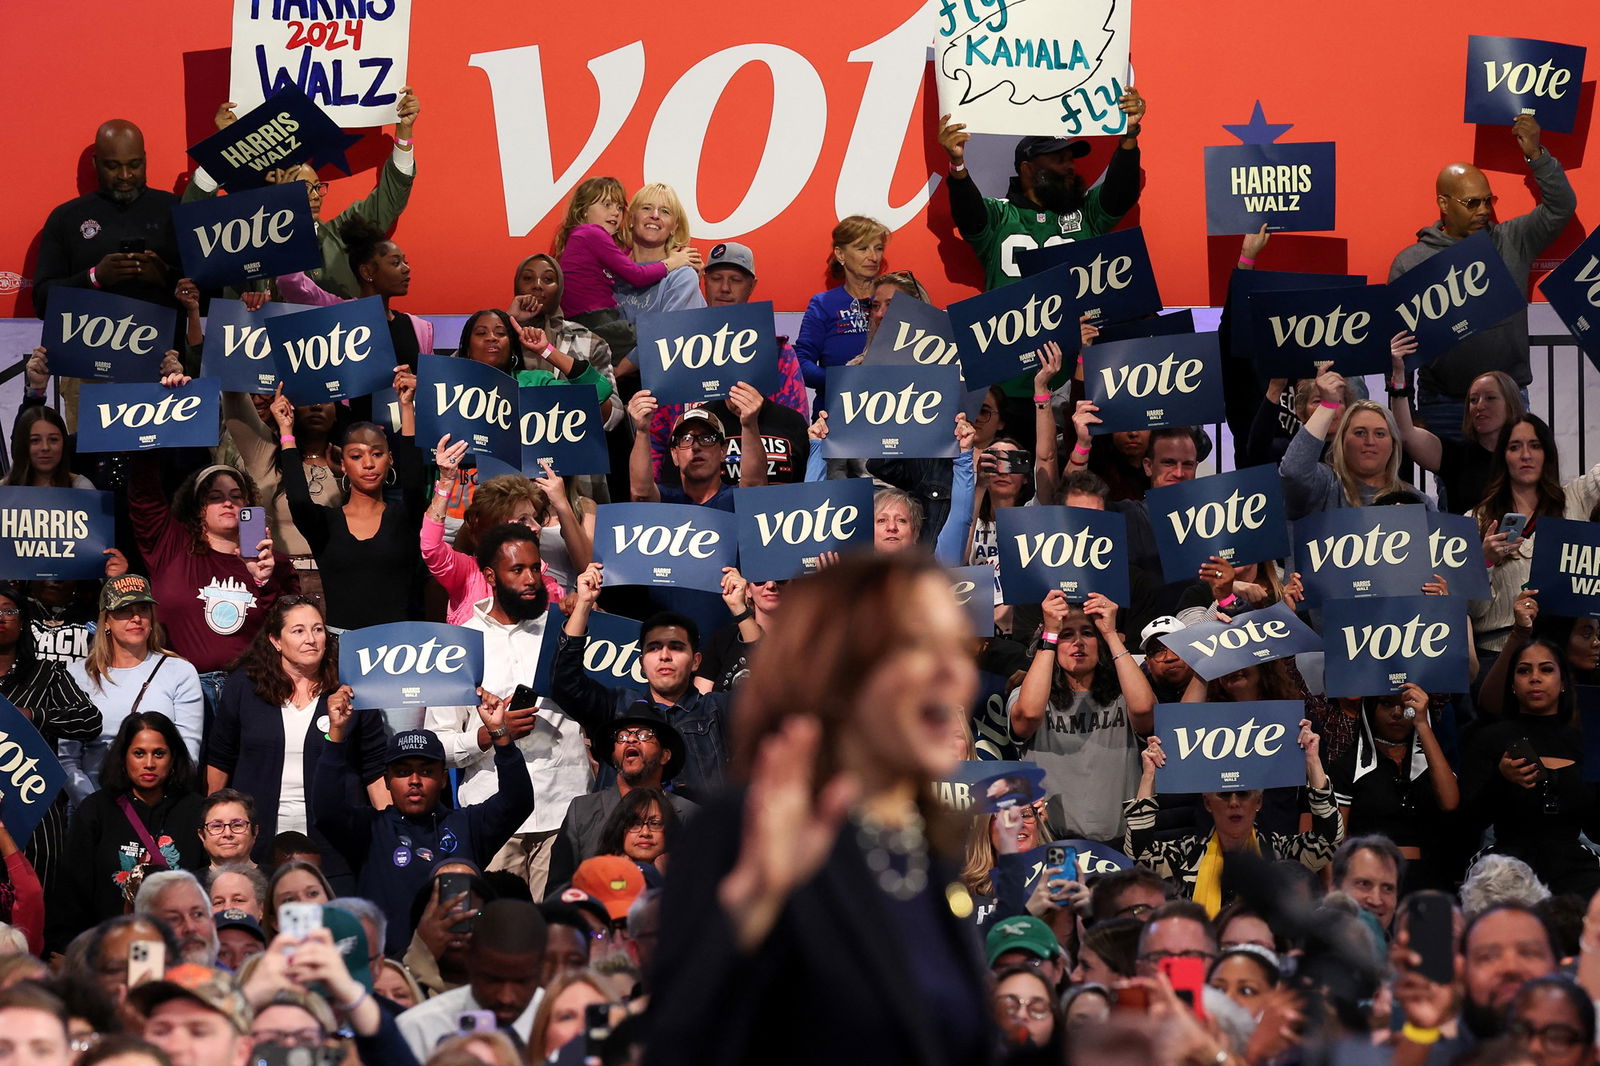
(392, 479)
(344, 483)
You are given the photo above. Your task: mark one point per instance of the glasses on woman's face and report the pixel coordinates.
(308, 1037)
(1036, 1007)
(1557, 1038)
(9, 612)
(655, 825)
(1030, 814)
(237, 826)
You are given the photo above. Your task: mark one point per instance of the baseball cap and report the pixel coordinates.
(123, 591)
(351, 939)
(237, 919)
(732, 253)
(205, 985)
(694, 415)
(613, 880)
(1033, 147)
(577, 897)
(414, 744)
(309, 1002)
(1161, 627)
(1023, 933)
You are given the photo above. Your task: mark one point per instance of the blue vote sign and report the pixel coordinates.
(912, 332)
(1074, 549)
(610, 655)
(1573, 289)
(471, 401)
(1287, 187)
(1230, 747)
(55, 534)
(973, 587)
(412, 664)
(1109, 277)
(562, 424)
(999, 332)
(1244, 284)
(1215, 648)
(678, 545)
(98, 336)
(1455, 294)
(697, 355)
(961, 790)
(1376, 645)
(333, 353)
(134, 418)
(784, 529)
(1353, 552)
(1006, 788)
(892, 412)
(1566, 568)
(237, 351)
(1455, 551)
(1299, 328)
(287, 128)
(258, 233)
(1510, 76)
(1237, 515)
(1154, 382)
(30, 774)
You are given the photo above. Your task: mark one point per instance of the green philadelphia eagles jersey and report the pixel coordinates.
(1009, 229)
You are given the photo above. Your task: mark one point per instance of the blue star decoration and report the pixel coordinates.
(1258, 130)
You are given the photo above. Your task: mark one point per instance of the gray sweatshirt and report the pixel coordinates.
(1518, 240)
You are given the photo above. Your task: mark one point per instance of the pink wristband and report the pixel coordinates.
(92, 279)
(1041, 397)
(287, 441)
(549, 350)
(1233, 598)
(1078, 449)
(1332, 406)
(1051, 639)
(1246, 261)
(403, 142)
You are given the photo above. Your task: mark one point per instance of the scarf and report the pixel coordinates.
(1208, 878)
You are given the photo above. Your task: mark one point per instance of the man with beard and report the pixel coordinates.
(1046, 203)
(175, 896)
(1502, 948)
(512, 621)
(646, 752)
(118, 238)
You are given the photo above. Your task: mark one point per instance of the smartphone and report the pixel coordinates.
(252, 530)
(275, 1054)
(476, 1021)
(1055, 855)
(522, 697)
(297, 921)
(597, 1023)
(1521, 749)
(1512, 524)
(1430, 929)
(132, 246)
(1188, 977)
(451, 886)
(147, 961)
(1133, 998)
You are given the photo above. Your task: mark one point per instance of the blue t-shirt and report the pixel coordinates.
(722, 501)
(833, 332)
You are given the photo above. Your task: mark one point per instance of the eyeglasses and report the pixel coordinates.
(1037, 1007)
(9, 612)
(290, 1037)
(317, 186)
(635, 736)
(1557, 1038)
(1160, 956)
(705, 440)
(83, 1042)
(1472, 203)
(1134, 910)
(216, 829)
(655, 825)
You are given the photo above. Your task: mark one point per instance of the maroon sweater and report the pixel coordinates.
(209, 603)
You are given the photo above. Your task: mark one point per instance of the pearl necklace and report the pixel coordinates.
(881, 845)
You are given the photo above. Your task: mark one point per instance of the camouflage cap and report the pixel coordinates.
(206, 985)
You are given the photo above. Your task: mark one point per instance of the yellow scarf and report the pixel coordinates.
(1208, 878)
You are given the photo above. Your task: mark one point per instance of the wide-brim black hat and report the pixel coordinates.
(648, 715)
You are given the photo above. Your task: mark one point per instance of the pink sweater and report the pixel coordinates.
(591, 263)
(458, 572)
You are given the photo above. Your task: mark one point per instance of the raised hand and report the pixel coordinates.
(953, 138)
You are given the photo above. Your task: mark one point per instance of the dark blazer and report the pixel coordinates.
(246, 743)
(834, 959)
(579, 837)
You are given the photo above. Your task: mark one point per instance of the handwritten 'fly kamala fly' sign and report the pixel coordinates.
(333, 353)
(1297, 329)
(1573, 289)
(1217, 648)
(784, 529)
(665, 544)
(561, 424)
(1566, 568)
(1353, 552)
(258, 233)
(134, 418)
(1374, 646)
(1507, 76)
(1237, 515)
(1074, 549)
(470, 401)
(892, 412)
(1455, 294)
(1230, 747)
(1154, 382)
(412, 664)
(97, 336)
(1109, 277)
(697, 355)
(54, 533)
(237, 351)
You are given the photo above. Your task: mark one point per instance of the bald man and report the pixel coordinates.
(118, 238)
(1466, 206)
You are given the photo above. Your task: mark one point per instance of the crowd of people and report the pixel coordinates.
(738, 850)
